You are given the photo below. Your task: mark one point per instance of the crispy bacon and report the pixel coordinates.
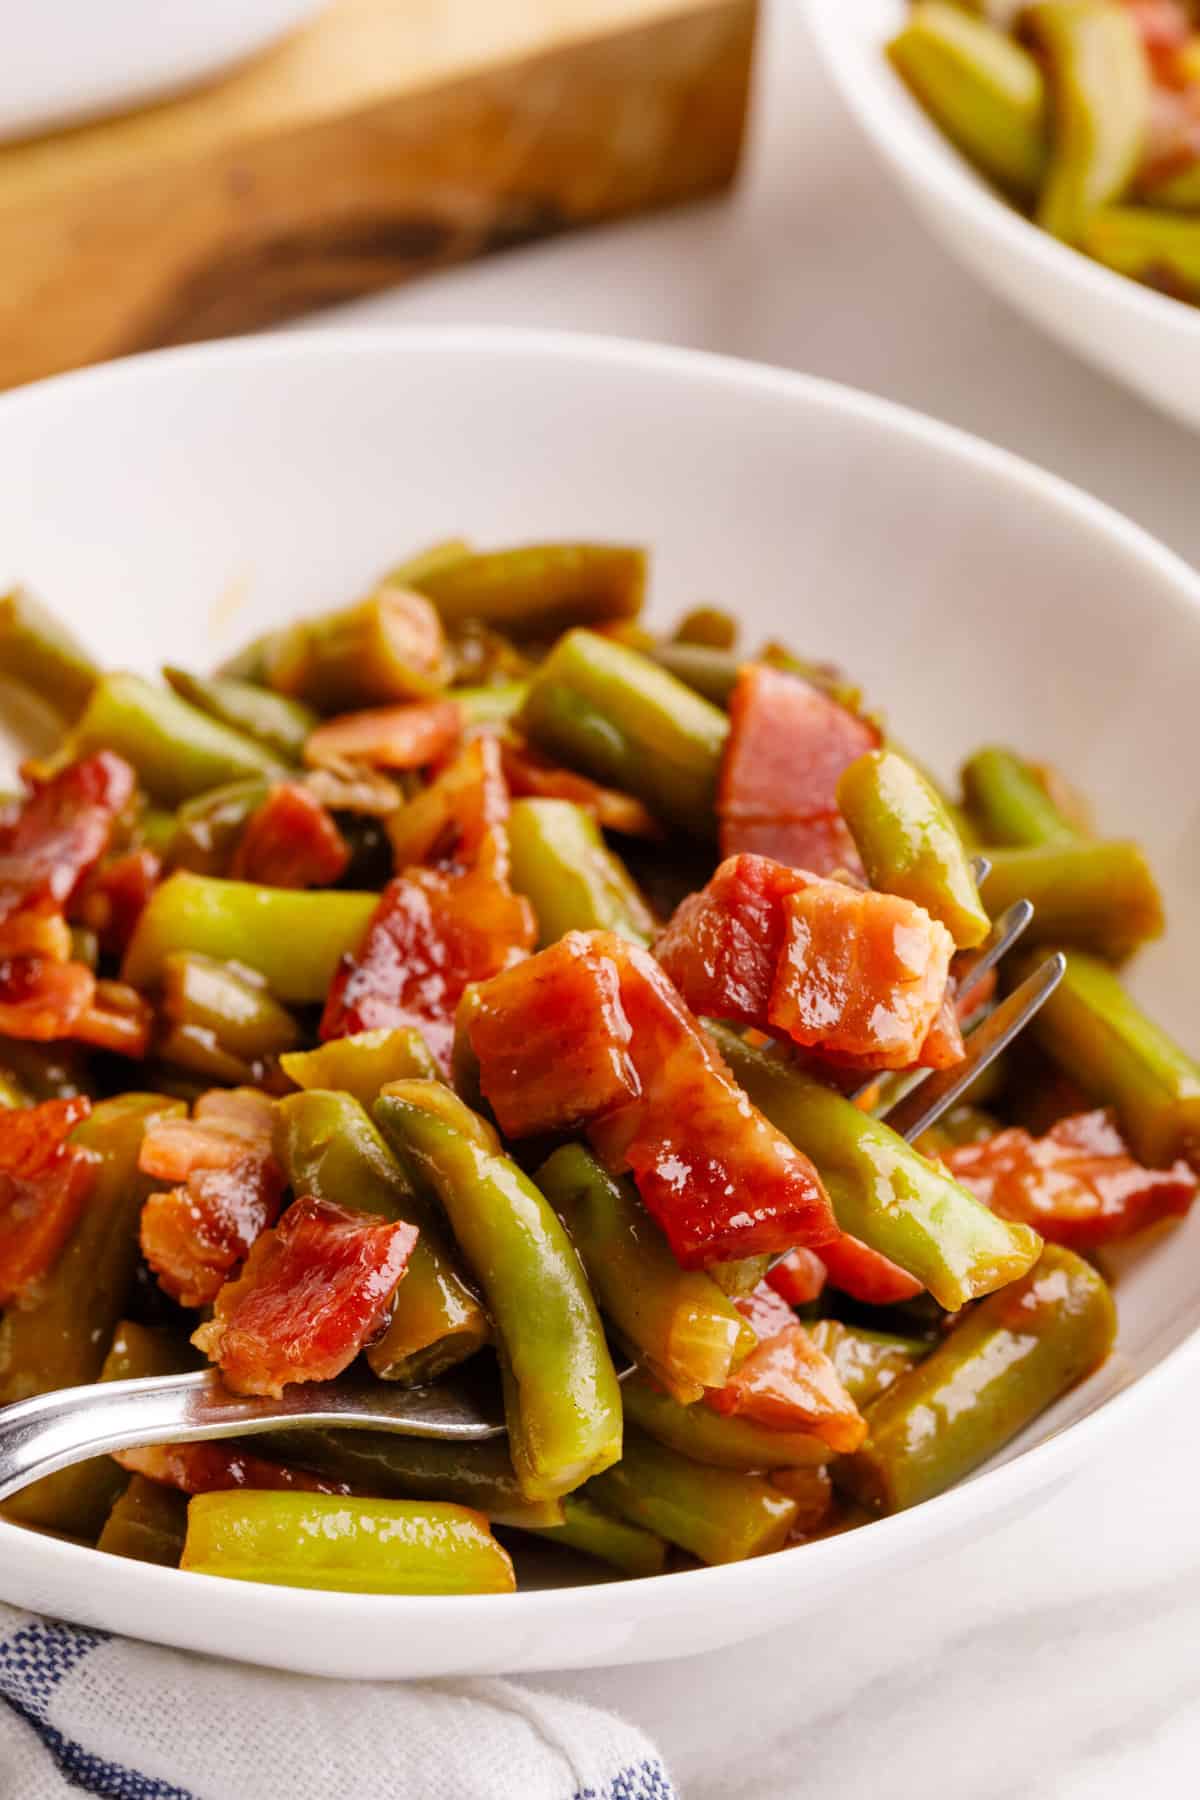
(44, 1183)
(209, 1468)
(787, 1383)
(863, 1273)
(720, 1180)
(788, 745)
(857, 975)
(111, 901)
(800, 1277)
(430, 937)
(1078, 1185)
(314, 1291)
(388, 737)
(528, 773)
(43, 1000)
(194, 1236)
(118, 1019)
(228, 1124)
(291, 841)
(569, 1060)
(61, 832)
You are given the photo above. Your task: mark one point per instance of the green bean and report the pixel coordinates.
(704, 668)
(385, 648)
(1101, 1038)
(574, 882)
(984, 91)
(176, 751)
(206, 831)
(1008, 803)
(293, 938)
(216, 1008)
(279, 724)
(867, 1362)
(1097, 896)
(733, 1442)
(350, 1545)
(708, 625)
(593, 1532)
(561, 1397)
(38, 652)
(494, 705)
(883, 1191)
(603, 708)
(909, 844)
(539, 589)
(148, 1523)
(383, 1462)
(1159, 248)
(1011, 1357)
(718, 1515)
(364, 1062)
(1099, 83)
(440, 555)
(676, 1322)
(330, 1149)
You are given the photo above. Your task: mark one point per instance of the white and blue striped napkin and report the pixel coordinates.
(88, 1713)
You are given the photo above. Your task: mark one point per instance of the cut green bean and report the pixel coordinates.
(574, 882)
(909, 844)
(593, 1532)
(215, 1006)
(293, 938)
(148, 1523)
(279, 724)
(177, 751)
(718, 1515)
(883, 1191)
(562, 1400)
(603, 708)
(724, 1442)
(1011, 1357)
(364, 1062)
(350, 1545)
(38, 652)
(985, 92)
(206, 831)
(1159, 248)
(1009, 805)
(676, 1322)
(539, 589)
(1093, 895)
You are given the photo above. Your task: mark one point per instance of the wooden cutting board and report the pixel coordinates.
(390, 138)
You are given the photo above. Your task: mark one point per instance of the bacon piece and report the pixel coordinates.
(430, 937)
(856, 975)
(43, 1000)
(765, 1310)
(61, 832)
(44, 935)
(569, 1060)
(788, 1384)
(1078, 1185)
(44, 1183)
(528, 773)
(194, 1236)
(944, 1046)
(800, 1277)
(290, 841)
(720, 1180)
(118, 1019)
(388, 737)
(788, 746)
(209, 1468)
(863, 1273)
(111, 901)
(227, 1124)
(314, 1291)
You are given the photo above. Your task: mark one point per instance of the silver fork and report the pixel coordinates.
(52, 1431)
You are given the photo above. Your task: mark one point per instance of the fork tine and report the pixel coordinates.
(917, 1110)
(981, 868)
(971, 967)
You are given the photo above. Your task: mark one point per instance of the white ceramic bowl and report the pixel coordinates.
(69, 60)
(1144, 338)
(171, 505)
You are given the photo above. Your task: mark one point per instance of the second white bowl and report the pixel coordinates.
(1144, 338)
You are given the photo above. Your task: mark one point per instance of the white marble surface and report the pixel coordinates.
(1056, 1659)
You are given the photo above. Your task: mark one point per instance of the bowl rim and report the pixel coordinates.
(943, 172)
(1033, 1469)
